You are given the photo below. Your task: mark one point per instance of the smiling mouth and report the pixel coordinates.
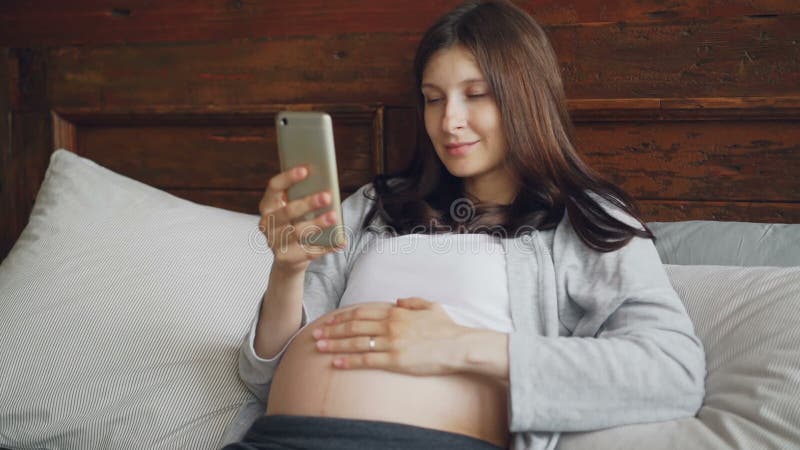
(459, 149)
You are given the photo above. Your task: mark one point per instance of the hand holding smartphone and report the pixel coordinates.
(306, 139)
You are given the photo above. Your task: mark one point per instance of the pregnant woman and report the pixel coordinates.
(493, 294)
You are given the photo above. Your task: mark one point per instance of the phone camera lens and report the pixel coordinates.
(284, 121)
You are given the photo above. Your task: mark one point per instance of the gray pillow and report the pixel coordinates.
(704, 242)
(749, 321)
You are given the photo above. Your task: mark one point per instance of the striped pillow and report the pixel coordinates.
(121, 313)
(749, 321)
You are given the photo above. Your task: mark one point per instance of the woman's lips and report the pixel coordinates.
(459, 149)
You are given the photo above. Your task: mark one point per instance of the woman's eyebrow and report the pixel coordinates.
(462, 82)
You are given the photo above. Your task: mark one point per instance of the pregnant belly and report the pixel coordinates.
(305, 383)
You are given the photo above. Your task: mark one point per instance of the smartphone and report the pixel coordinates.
(306, 138)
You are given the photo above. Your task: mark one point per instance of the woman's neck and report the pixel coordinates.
(499, 189)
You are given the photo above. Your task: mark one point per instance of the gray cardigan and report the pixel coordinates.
(600, 339)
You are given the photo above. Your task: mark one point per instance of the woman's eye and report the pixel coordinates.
(477, 95)
(432, 100)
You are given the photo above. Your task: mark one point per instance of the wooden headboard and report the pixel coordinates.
(693, 107)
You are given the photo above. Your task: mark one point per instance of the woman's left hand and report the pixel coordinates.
(416, 337)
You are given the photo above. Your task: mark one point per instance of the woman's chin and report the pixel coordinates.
(461, 169)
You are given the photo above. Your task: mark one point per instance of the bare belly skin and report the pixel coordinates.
(305, 383)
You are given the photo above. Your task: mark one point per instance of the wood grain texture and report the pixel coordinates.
(400, 137)
(8, 225)
(745, 149)
(694, 109)
(28, 138)
(742, 160)
(374, 69)
(722, 58)
(670, 211)
(31, 145)
(55, 22)
(214, 152)
(734, 57)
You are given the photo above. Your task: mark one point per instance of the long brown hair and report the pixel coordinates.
(523, 74)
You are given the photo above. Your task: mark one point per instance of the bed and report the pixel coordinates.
(132, 263)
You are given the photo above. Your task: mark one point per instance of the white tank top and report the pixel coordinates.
(465, 273)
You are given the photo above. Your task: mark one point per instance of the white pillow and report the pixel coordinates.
(121, 313)
(749, 322)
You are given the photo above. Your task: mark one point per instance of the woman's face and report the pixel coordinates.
(463, 122)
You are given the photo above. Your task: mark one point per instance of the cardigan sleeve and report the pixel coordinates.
(323, 286)
(633, 356)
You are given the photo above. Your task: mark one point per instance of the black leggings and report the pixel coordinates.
(331, 433)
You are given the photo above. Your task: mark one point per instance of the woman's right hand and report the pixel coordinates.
(280, 222)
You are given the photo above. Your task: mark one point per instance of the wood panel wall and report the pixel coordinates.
(693, 106)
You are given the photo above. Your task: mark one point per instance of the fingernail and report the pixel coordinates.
(301, 172)
(324, 198)
(338, 362)
(317, 333)
(322, 345)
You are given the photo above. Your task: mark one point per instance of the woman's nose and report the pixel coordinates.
(455, 116)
